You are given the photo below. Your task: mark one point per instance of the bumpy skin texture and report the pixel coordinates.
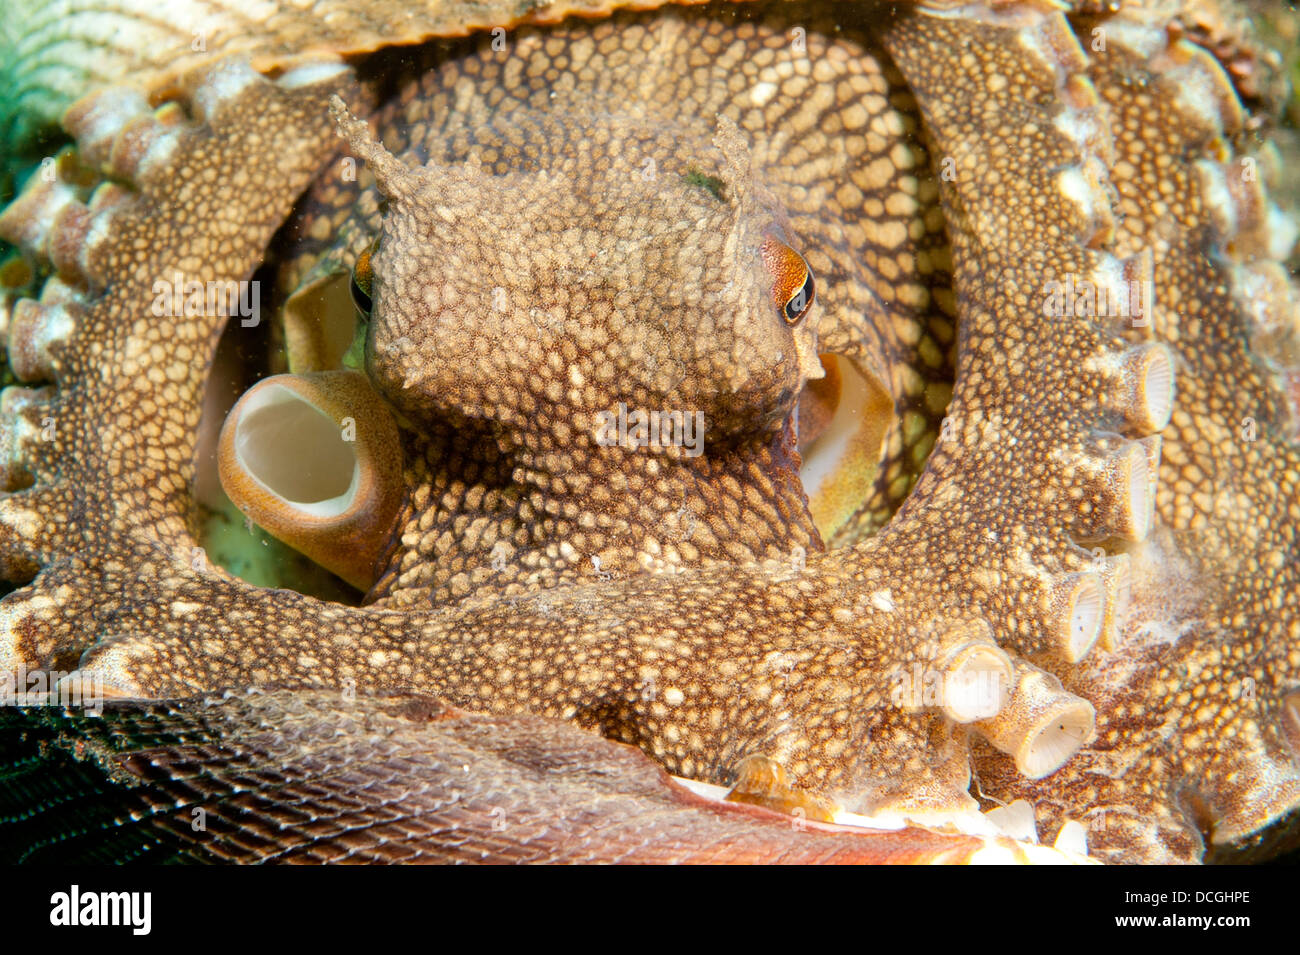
(1209, 641)
(794, 661)
(53, 54)
(559, 298)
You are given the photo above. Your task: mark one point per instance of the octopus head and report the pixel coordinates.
(536, 300)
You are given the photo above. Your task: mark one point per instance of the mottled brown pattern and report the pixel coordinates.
(1212, 639)
(53, 53)
(842, 165)
(1039, 490)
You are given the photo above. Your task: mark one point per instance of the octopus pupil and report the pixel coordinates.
(800, 301)
(360, 299)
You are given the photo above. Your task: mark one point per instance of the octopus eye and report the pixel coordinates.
(362, 280)
(800, 301)
(792, 281)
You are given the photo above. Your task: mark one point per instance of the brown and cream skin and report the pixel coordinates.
(532, 311)
(482, 517)
(1093, 530)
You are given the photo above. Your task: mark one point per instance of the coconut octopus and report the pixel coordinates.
(875, 409)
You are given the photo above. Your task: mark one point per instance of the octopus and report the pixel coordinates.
(870, 414)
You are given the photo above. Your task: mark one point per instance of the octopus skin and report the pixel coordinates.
(1123, 556)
